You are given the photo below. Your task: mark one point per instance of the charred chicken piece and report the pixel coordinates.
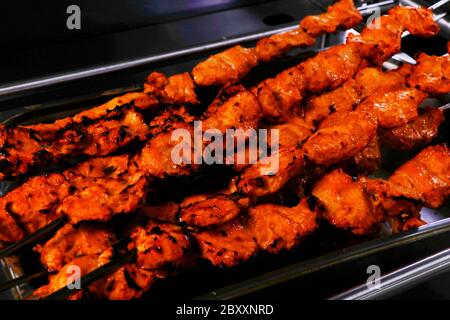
(25, 148)
(158, 244)
(31, 206)
(100, 198)
(227, 245)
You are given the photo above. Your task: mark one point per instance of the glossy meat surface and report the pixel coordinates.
(158, 244)
(228, 245)
(414, 134)
(431, 74)
(340, 136)
(177, 89)
(394, 108)
(274, 46)
(383, 39)
(347, 205)
(203, 211)
(426, 177)
(226, 67)
(25, 149)
(277, 228)
(260, 179)
(71, 242)
(121, 189)
(342, 14)
(367, 81)
(30, 207)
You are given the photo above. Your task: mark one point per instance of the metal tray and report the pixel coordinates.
(327, 252)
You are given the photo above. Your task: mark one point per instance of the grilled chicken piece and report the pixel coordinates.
(72, 242)
(394, 108)
(94, 190)
(66, 275)
(380, 43)
(270, 174)
(347, 205)
(431, 74)
(402, 213)
(344, 98)
(233, 64)
(277, 228)
(31, 206)
(226, 67)
(367, 82)
(139, 100)
(234, 107)
(24, 148)
(127, 283)
(365, 162)
(338, 64)
(340, 136)
(155, 159)
(426, 177)
(292, 133)
(418, 21)
(414, 134)
(158, 244)
(274, 46)
(204, 210)
(227, 245)
(280, 96)
(342, 14)
(177, 89)
(100, 198)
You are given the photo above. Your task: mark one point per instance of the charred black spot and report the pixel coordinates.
(122, 133)
(155, 230)
(332, 108)
(4, 165)
(260, 182)
(312, 202)
(130, 281)
(223, 233)
(171, 238)
(4, 152)
(72, 189)
(43, 156)
(109, 170)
